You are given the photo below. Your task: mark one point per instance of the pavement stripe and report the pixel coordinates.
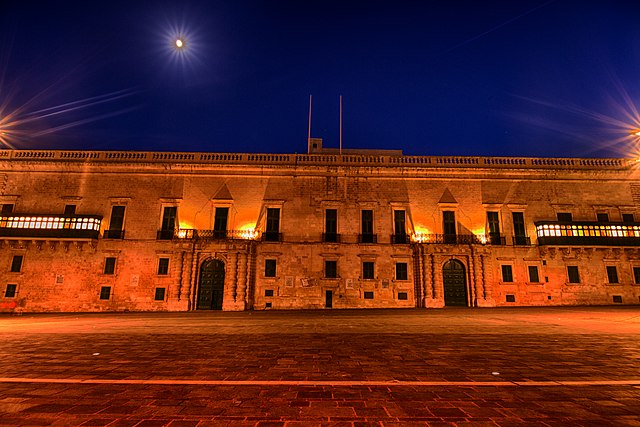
(633, 382)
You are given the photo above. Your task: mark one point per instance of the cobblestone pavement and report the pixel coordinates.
(486, 367)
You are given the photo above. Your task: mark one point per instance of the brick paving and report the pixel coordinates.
(493, 367)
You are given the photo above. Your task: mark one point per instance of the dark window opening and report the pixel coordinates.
(400, 227)
(511, 298)
(105, 292)
(69, 209)
(402, 296)
(449, 226)
(574, 276)
(612, 274)
(7, 208)
(163, 266)
(116, 223)
(602, 217)
(168, 226)
(270, 268)
(628, 217)
(268, 292)
(220, 223)
(507, 273)
(564, 216)
(493, 220)
(368, 268)
(16, 264)
(617, 299)
(10, 292)
(367, 235)
(159, 296)
(109, 265)
(331, 269)
(636, 275)
(331, 225)
(401, 271)
(368, 295)
(519, 232)
(272, 232)
(533, 274)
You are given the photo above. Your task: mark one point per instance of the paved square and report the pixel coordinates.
(493, 367)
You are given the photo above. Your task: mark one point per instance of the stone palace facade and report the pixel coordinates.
(129, 231)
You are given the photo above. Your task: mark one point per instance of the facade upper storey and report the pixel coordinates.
(349, 198)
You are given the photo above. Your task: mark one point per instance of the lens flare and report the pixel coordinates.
(617, 132)
(24, 123)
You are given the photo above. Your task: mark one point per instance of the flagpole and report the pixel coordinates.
(340, 124)
(309, 131)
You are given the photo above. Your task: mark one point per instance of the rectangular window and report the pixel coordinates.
(612, 274)
(268, 292)
(105, 292)
(602, 217)
(493, 221)
(449, 226)
(269, 268)
(519, 231)
(10, 292)
(109, 265)
(564, 216)
(507, 273)
(401, 271)
(368, 295)
(168, 225)
(400, 227)
(331, 269)
(533, 274)
(116, 223)
(69, 209)
(636, 275)
(367, 235)
(16, 264)
(159, 296)
(220, 223)
(330, 223)
(368, 270)
(7, 208)
(574, 275)
(272, 232)
(163, 266)
(628, 217)
(402, 296)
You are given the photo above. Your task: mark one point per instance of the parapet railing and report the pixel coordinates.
(345, 160)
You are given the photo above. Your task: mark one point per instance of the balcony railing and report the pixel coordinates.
(166, 234)
(496, 239)
(454, 239)
(113, 234)
(189, 233)
(367, 238)
(331, 237)
(520, 240)
(588, 233)
(400, 239)
(50, 226)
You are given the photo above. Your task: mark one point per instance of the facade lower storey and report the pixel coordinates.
(236, 275)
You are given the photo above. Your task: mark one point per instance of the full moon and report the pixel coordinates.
(179, 43)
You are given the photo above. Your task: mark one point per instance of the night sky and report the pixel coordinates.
(524, 78)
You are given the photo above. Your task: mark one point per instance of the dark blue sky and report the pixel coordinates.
(525, 78)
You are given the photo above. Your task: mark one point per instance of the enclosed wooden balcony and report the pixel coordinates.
(41, 226)
(585, 233)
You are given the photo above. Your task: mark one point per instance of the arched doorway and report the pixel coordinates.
(455, 283)
(211, 285)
